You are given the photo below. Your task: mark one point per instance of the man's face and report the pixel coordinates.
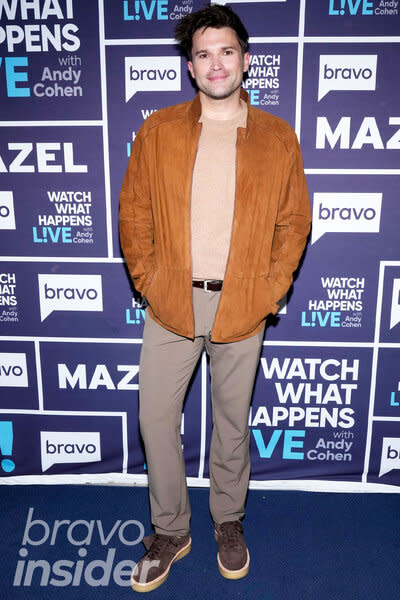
(217, 62)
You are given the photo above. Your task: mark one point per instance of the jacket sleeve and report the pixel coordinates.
(136, 225)
(292, 225)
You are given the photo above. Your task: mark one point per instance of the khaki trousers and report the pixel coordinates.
(167, 363)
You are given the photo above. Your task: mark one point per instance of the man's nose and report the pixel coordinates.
(215, 63)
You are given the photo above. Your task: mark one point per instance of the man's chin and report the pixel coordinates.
(219, 95)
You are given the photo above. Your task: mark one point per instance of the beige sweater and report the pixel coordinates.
(213, 195)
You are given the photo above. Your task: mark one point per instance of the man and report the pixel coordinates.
(214, 219)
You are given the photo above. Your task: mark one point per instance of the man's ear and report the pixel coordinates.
(190, 67)
(246, 62)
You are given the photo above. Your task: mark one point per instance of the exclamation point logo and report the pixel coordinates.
(337, 7)
(6, 443)
(139, 315)
(137, 10)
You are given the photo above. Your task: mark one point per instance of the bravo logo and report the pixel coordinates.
(346, 72)
(69, 447)
(13, 371)
(390, 457)
(395, 310)
(7, 217)
(152, 74)
(345, 213)
(69, 292)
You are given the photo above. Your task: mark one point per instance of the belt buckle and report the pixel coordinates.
(207, 281)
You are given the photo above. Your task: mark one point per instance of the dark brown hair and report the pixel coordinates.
(212, 15)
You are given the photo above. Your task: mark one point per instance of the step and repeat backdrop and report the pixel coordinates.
(77, 80)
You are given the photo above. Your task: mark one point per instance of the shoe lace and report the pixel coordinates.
(159, 544)
(231, 533)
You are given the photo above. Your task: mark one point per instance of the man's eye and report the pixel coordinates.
(202, 55)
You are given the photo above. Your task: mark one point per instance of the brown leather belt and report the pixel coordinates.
(209, 285)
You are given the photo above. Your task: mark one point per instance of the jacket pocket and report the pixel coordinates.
(245, 302)
(260, 303)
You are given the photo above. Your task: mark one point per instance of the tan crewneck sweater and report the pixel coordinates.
(213, 195)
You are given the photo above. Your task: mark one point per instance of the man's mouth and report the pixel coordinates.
(217, 77)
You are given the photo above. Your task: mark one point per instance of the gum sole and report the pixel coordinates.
(234, 574)
(149, 587)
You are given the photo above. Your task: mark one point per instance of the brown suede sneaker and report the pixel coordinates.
(233, 557)
(153, 569)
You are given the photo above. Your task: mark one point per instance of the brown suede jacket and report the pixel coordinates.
(270, 226)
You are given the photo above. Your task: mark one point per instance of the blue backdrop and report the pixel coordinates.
(77, 80)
